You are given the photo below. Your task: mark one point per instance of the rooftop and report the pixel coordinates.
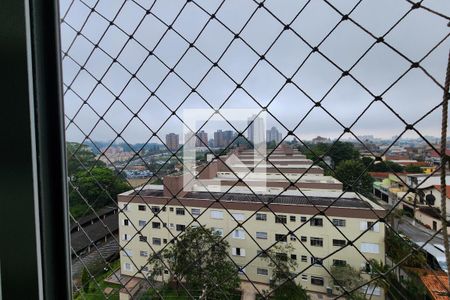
(345, 201)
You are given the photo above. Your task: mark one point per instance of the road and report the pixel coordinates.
(418, 233)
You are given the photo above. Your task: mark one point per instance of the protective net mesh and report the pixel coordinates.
(356, 71)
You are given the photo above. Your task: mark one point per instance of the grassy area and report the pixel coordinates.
(95, 289)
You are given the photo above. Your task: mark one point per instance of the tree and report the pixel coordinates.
(80, 157)
(398, 248)
(85, 280)
(338, 151)
(282, 284)
(413, 169)
(199, 258)
(383, 166)
(96, 186)
(354, 177)
(347, 278)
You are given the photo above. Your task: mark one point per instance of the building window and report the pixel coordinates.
(127, 252)
(316, 222)
(280, 237)
(143, 253)
(339, 243)
(316, 261)
(218, 231)
(339, 263)
(127, 266)
(293, 237)
(239, 217)
(165, 241)
(142, 238)
(304, 277)
(317, 280)
(156, 225)
(294, 256)
(155, 209)
(292, 218)
(238, 252)
(303, 238)
(125, 237)
(280, 219)
(163, 208)
(141, 207)
(371, 226)
(261, 217)
(261, 253)
(316, 242)
(179, 211)
(142, 223)
(239, 234)
(144, 269)
(156, 241)
(304, 258)
(261, 271)
(180, 227)
(166, 271)
(241, 270)
(171, 226)
(126, 222)
(217, 214)
(125, 207)
(303, 219)
(261, 235)
(171, 209)
(195, 211)
(370, 248)
(339, 222)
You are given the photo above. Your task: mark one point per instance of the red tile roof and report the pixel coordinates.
(379, 174)
(435, 284)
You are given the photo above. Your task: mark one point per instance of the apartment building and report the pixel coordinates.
(154, 218)
(278, 213)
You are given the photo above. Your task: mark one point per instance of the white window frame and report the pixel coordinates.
(139, 223)
(370, 248)
(196, 211)
(217, 214)
(261, 235)
(128, 266)
(262, 271)
(364, 225)
(241, 251)
(262, 215)
(143, 253)
(238, 216)
(239, 234)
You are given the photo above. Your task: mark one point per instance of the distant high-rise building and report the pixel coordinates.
(202, 139)
(223, 138)
(256, 130)
(273, 135)
(172, 141)
(320, 140)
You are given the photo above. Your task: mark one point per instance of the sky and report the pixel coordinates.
(147, 99)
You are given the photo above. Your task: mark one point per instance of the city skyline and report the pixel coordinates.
(412, 97)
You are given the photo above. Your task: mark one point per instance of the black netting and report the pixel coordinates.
(131, 70)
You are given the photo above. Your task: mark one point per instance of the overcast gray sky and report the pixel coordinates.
(411, 97)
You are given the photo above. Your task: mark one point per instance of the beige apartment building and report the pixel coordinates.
(153, 218)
